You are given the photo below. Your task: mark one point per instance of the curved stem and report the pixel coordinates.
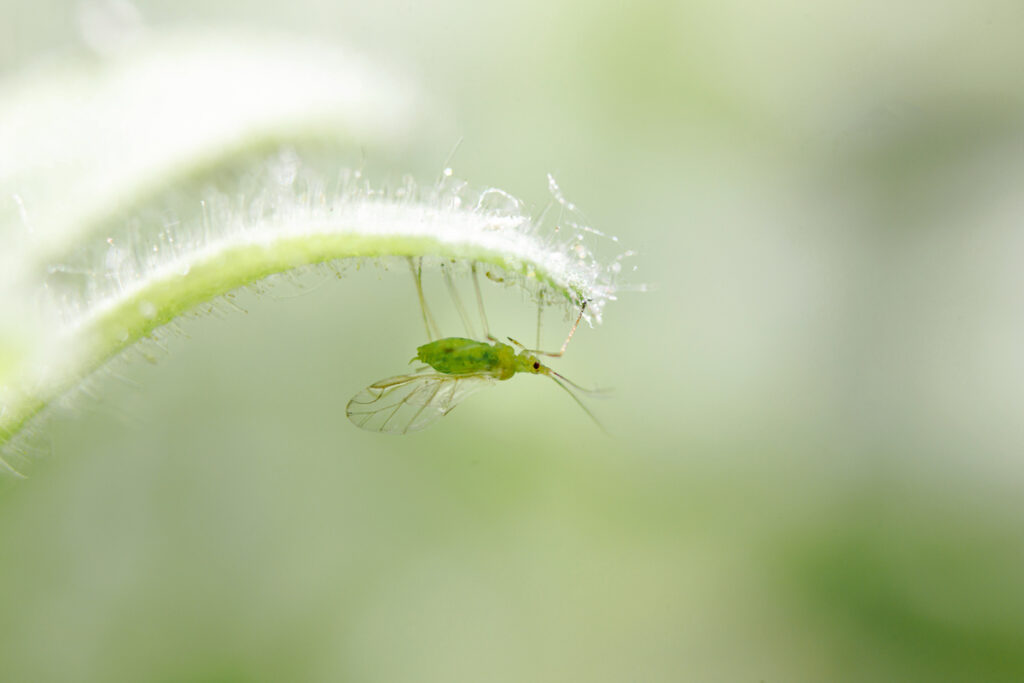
(156, 294)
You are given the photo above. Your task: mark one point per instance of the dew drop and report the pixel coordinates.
(147, 309)
(498, 201)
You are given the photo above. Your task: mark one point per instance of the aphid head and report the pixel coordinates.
(528, 362)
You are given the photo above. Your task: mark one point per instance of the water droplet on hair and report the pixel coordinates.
(498, 201)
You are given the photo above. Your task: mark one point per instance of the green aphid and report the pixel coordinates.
(461, 356)
(455, 367)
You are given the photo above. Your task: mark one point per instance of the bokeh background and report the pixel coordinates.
(817, 466)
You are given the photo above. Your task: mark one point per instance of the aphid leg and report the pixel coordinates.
(540, 310)
(457, 301)
(480, 304)
(428, 320)
(565, 344)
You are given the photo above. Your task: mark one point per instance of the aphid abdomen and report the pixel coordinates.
(459, 356)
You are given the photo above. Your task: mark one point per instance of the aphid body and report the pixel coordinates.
(454, 368)
(461, 356)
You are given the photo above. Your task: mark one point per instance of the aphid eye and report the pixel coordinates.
(536, 365)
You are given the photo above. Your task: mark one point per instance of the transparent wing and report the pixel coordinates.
(408, 403)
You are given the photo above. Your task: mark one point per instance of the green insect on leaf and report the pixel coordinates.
(455, 368)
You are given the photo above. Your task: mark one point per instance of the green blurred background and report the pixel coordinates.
(818, 461)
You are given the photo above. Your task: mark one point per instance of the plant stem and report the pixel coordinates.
(157, 293)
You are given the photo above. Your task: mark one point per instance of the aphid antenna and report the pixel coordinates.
(565, 383)
(565, 344)
(588, 392)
